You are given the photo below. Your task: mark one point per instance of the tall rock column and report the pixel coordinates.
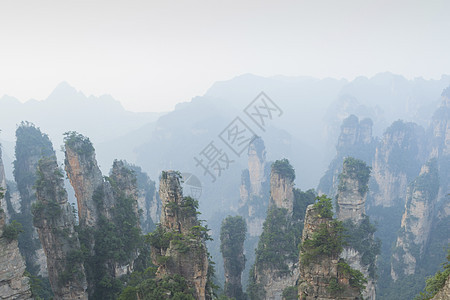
(13, 284)
(352, 190)
(178, 244)
(416, 221)
(232, 236)
(282, 186)
(350, 208)
(107, 210)
(54, 220)
(398, 159)
(275, 268)
(323, 275)
(84, 175)
(254, 190)
(31, 146)
(355, 140)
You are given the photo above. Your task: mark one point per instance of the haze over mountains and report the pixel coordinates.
(305, 133)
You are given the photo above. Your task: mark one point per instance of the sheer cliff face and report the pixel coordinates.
(232, 236)
(271, 279)
(397, 161)
(352, 190)
(351, 201)
(54, 220)
(254, 188)
(85, 177)
(281, 191)
(13, 285)
(107, 210)
(31, 146)
(440, 127)
(416, 221)
(2, 184)
(147, 199)
(179, 217)
(315, 276)
(257, 166)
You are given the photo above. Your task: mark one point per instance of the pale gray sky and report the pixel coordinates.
(152, 54)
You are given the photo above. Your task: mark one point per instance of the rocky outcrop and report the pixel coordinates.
(254, 190)
(350, 207)
(180, 248)
(355, 140)
(352, 190)
(416, 221)
(31, 146)
(281, 191)
(13, 284)
(322, 275)
(54, 219)
(397, 162)
(147, 200)
(271, 276)
(107, 210)
(85, 177)
(232, 236)
(257, 166)
(444, 293)
(440, 127)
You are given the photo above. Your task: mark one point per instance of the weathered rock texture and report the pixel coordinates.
(269, 278)
(397, 162)
(54, 220)
(254, 190)
(355, 140)
(316, 275)
(186, 254)
(351, 201)
(352, 190)
(85, 177)
(281, 191)
(232, 236)
(148, 200)
(31, 146)
(416, 221)
(13, 284)
(107, 209)
(444, 293)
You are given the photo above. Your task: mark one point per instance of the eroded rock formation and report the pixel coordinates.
(355, 140)
(85, 177)
(397, 162)
(275, 267)
(179, 246)
(31, 146)
(53, 217)
(107, 210)
(254, 190)
(232, 236)
(352, 190)
(148, 200)
(416, 221)
(351, 201)
(13, 283)
(322, 275)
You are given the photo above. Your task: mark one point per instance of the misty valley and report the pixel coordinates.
(262, 188)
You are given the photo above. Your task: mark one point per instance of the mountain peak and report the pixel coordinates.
(63, 91)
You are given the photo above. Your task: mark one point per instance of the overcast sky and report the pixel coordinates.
(151, 55)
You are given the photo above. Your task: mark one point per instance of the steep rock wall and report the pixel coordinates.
(54, 220)
(185, 253)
